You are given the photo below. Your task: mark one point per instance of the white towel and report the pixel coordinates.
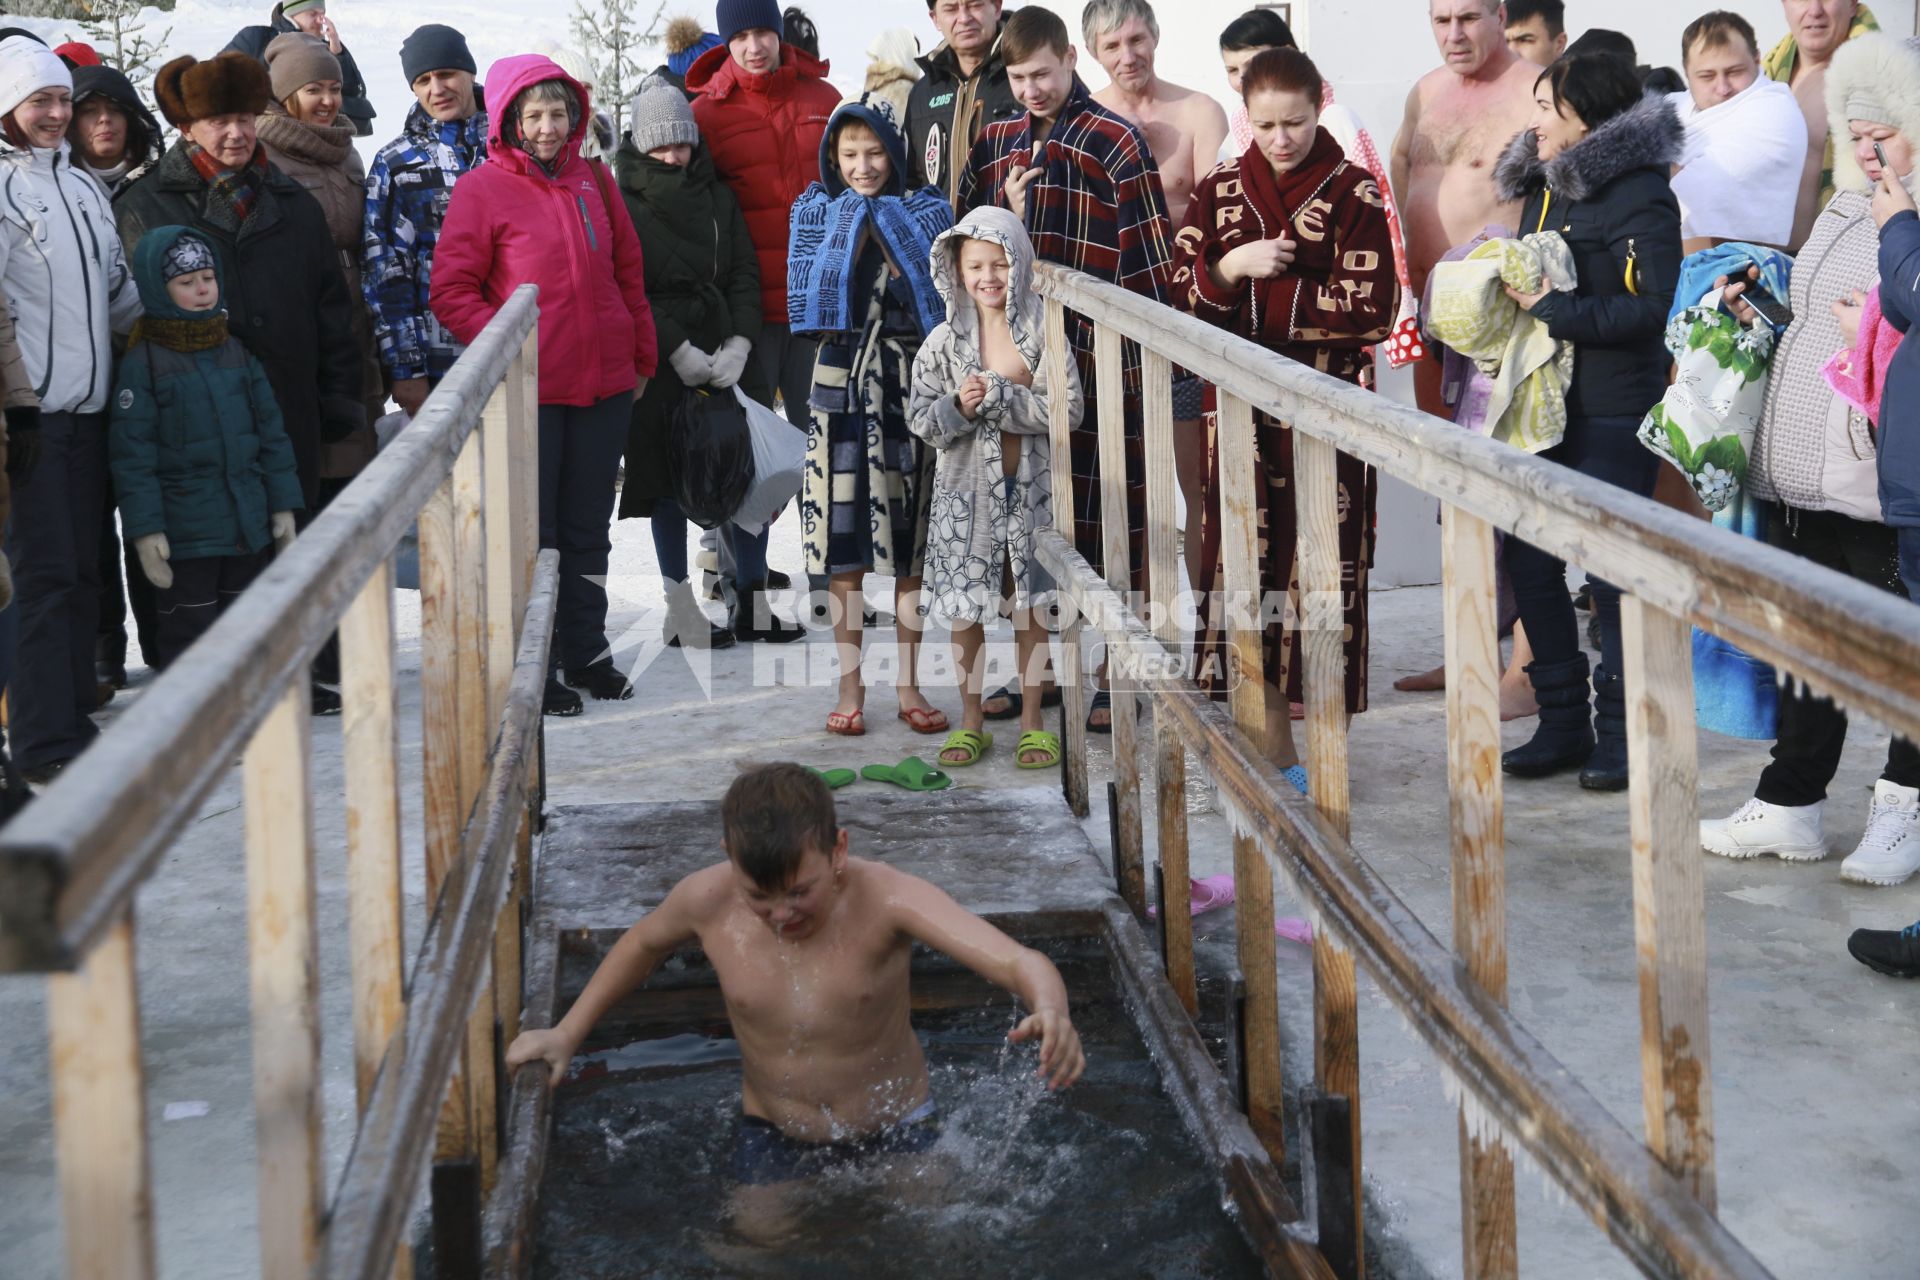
(1743, 165)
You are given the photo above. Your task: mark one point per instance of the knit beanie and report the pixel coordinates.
(732, 17)
(435, 48)
(187, 254)
(290, 7)
(685, 41)
(661, 116)
(26, 67)
(296, 59)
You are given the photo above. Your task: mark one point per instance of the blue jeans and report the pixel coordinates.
(669, 524)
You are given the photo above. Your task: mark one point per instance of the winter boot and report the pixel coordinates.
(750, 617)
(1607, 767)
(1792, 833)
(1894, 952)
(601, 679)
(1889, 849)
(558, 699)
(687, 624)
(1564, 739)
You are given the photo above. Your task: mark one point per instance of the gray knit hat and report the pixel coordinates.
(661, 116)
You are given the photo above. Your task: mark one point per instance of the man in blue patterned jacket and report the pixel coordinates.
(408, 188)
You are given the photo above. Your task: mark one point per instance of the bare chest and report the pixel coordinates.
(1464, 130)
(820, 991)
(999, 355)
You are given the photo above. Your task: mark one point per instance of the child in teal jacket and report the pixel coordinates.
(201, 461)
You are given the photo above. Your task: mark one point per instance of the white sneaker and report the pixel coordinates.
(1889, 849)
(1789, 832)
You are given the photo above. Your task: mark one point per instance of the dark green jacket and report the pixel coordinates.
(196, 441)
(704, 286)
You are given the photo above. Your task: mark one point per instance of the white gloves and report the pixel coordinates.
(691, 365)
(730, 361)
(281, 527)
(153, 551)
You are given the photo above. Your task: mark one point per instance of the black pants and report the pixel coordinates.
(580, 451)
(202, 589)
(54, 547)
(1813, 731)
(122, 593)
(1601, 449)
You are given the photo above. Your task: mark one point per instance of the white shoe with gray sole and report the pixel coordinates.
(1889, 849)
(1789, 832)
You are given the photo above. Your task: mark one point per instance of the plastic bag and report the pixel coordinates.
(710, 459)
(1733, 692)
(1704, 424)
(779, 459)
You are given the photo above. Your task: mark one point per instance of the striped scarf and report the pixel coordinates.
(237, 189)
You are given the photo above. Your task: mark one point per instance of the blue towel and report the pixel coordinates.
(825, 246)
(1733, 693)
(1699, 270)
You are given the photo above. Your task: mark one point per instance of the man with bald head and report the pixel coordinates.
(1815, 30)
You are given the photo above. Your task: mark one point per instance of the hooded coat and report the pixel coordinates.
(325, 162)
(511, 222)
(703, 286)
(408, 189)
(764, 135)
(281, 284)
(253, 42)
(979, 519)
(1609, 197)
(144, 137)
(197, 445)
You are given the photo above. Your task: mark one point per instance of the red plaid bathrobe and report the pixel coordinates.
(1098, 209)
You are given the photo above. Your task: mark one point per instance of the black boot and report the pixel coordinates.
(1564, 739)
(601, 679)
(750, 617)
(558, 699)
(1607, 767)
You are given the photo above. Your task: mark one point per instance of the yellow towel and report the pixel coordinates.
(1529, 369)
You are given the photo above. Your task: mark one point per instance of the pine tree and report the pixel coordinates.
(615, 42)
(114, 28)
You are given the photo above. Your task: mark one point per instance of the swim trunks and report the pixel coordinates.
(1187, 392)
(763, 1155)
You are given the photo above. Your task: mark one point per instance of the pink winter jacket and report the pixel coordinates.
(509, 224)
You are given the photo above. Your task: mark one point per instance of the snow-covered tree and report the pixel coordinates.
(618, 44)
(114, 28)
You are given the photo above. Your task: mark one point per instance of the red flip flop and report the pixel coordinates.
(926, 719)
(848, 724)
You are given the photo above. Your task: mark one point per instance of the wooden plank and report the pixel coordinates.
(1116, 550)
(512, 1213)
(285, 965)
(1475, 804)
(1655, 1221)
(1073, 693)
(100, 1113)
(370, 747)
(1669, 894)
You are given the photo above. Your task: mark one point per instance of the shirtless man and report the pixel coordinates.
(1459, 118)
(1815, 30)
(812, 949)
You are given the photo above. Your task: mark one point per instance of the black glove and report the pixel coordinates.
(340, 417)
(23, 442)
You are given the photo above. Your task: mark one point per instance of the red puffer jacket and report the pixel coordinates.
(764, 133)
(509, 223)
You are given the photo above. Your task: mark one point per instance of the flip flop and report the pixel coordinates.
(1037, 740)
(1102, 701)
(1209, 893)
(836, 778)
(1297, 775)
(850, 724)
(1049, 698)
(913, 773)
(925, 719)
(975, 744)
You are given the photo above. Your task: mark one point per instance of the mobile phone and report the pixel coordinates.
(1771, 309)
(1880, 154)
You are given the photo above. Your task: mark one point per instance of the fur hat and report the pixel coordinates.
(295, 60)
(1872, 77)
(231, 84)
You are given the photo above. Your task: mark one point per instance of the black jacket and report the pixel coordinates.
(281, 285)
(933, 111)
(144, 138)
(1609, 197)
(253, 42)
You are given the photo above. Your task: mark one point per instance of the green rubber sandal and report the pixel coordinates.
(975, 744)
(836, 778)
(1038, 740)
(913, 773)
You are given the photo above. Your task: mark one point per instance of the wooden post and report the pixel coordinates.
(1116, 549)
(505, 594)
(286, 988)
(1489, 1245)
(1170, 753)
(100, 1112)
(1073, 694)
(1253, 880)
(370, 746)
(1669, 895)
(1336, 1014)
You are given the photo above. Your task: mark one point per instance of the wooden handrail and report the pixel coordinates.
(71, 863)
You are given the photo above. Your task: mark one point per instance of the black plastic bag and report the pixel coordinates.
(711, 460)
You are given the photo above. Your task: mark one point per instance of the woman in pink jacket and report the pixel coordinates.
(538, 213)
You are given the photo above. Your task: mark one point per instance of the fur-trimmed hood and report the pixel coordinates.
(1883, 69)
(1646, 135)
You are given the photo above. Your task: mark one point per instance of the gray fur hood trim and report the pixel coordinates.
(1646, 135)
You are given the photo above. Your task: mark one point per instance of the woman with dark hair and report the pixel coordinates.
(1593, 169)
(538, 213)
(113, 134)
(1289, 246)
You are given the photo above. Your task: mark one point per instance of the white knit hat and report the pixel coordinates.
(26, 67)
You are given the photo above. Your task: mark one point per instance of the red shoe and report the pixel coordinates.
(850, 724)
(926, 719)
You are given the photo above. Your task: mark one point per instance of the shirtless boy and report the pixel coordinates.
(812, 947)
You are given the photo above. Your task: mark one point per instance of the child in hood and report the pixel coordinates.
(857, 276)
(981, 398)
(201, 461)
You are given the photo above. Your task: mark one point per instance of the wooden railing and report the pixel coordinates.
(1656, 1198)
(71, 863)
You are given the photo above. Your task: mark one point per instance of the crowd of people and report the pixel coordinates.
(207, 328)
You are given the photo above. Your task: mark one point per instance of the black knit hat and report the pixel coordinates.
(435, 48)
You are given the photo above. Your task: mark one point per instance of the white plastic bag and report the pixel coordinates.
(779, 460)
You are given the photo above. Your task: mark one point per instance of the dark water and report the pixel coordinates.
(1101, 1180)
